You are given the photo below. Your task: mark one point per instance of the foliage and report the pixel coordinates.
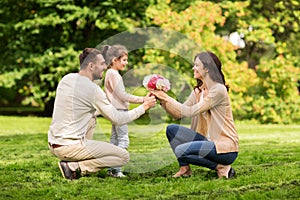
(206, 23)
(276, 100)
(267, 167)
(283, 20)
(41, 41)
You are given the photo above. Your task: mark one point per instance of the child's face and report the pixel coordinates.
(121, 63)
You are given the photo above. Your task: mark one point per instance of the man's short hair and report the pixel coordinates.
(88, 55)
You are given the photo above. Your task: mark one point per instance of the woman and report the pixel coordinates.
(212, 141)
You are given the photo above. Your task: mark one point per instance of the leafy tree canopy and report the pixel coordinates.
(41, 41)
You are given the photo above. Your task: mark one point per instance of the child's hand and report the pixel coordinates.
(149, 101)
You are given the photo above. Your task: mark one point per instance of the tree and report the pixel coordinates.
(246, 69)
(41, 41)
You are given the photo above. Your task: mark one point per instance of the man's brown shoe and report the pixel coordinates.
(66, 171)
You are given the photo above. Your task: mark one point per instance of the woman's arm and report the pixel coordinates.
(179, 110)
(174, 111)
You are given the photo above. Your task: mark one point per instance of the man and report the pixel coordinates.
(78, 98)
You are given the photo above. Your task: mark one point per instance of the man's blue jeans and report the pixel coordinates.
(192, 148)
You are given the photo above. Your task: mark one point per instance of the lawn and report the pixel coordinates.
(268, 166)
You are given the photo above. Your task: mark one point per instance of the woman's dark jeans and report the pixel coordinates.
(192, 148)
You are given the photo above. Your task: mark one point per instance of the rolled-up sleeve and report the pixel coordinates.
(107, 110)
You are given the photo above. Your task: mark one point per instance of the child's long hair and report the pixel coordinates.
(111, 52)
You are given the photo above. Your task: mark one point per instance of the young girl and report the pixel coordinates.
(116, 59)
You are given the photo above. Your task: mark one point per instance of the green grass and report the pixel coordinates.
(268, 166)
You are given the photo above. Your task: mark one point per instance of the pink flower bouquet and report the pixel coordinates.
(156, 82)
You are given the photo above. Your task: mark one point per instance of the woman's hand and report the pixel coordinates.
(160, 95)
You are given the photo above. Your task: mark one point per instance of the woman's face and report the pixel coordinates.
(199, 70)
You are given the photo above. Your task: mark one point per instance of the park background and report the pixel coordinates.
(257, 42)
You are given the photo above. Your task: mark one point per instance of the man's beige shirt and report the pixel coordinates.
(77, 100)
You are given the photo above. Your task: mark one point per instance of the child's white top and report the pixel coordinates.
(115, 91)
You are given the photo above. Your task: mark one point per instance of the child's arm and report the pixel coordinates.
(118, 90)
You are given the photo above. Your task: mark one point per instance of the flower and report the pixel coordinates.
(156, 82)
